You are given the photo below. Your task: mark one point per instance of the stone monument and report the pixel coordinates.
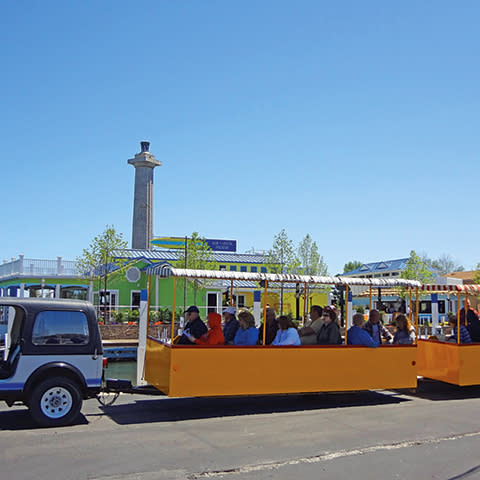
(142, 226)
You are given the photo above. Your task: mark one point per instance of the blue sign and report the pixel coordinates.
(222, 245)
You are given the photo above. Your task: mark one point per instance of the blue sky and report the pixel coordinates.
(356, 122)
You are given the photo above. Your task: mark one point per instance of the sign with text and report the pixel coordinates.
(217, 245)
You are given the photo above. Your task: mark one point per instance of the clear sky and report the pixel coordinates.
(354, 121)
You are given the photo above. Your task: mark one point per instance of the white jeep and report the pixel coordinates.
(53, 357)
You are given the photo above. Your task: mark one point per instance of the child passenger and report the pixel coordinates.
(287, 333)
(214, 335)
(247, 334)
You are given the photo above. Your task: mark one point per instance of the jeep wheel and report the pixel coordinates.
(55, 402)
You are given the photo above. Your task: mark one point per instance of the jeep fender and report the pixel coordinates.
(55, 369)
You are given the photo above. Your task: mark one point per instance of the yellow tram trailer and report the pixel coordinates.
(198, 371)
(455, 363)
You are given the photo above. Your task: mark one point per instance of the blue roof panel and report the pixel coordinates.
(379, 267)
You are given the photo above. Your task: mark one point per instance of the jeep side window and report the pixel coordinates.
(53, 327)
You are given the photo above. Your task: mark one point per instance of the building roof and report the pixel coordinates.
(173, 255)
(379, 267)
(467, 277)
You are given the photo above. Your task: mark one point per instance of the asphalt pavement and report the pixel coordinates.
(433, 433)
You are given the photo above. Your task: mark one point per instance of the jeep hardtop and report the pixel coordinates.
(52, 357)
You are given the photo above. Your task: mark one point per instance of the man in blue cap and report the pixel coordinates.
(194, 326)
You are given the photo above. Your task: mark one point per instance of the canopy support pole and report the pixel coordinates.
(173, 306)
(458, 318)
(416, 314)
(149, 292)
(410, 305)
(265, 311)
(370, 298)
(231, 293)
(305, 302)
(346, 312)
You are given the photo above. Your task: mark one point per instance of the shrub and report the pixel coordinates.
(132, 315)
(118, 316)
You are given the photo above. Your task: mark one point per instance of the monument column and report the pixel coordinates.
(142, 225)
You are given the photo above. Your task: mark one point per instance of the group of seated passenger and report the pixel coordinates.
(321, 329)
(373, 332)
(234, 332)
(469, 326)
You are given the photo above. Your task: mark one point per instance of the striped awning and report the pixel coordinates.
(166, 270)
(450, 288)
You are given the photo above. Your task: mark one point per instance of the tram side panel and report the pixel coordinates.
(449, 362)
(157, 365)
(219, 371)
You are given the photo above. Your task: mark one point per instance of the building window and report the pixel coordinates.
(240, 301)
(254, 269)
(263, 269)
(233, 268)
(425, 306)
(243, 268)
(441, 306)
(222, 268)
(135, 299)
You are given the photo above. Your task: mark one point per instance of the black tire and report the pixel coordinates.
(55, 402)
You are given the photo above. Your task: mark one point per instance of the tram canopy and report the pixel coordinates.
(165, 270)
(450, 288)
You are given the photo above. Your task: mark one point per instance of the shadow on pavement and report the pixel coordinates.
(435, 390)
(178, 409)
(20, 419)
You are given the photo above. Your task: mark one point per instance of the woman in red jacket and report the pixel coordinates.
(214, 336)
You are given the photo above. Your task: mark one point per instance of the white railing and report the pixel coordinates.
(24, 267)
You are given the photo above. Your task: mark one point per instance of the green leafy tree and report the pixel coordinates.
(417, 269)
(104, 253)
(281, 258)
(476, 276)
(197, 256)
(310, 261)
(353, 265)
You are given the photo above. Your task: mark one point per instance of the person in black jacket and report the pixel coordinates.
(194, 326)
(472, 322)
(329, 334)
